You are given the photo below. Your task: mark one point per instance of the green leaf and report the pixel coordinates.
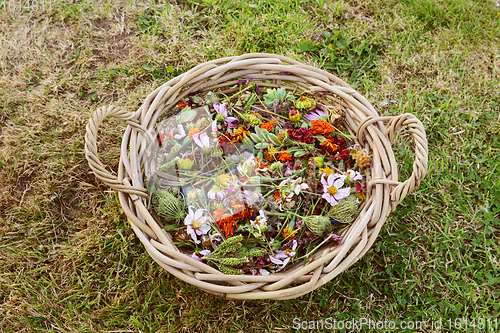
(186, 116)
(255, 137)
(274, 139)
(147, 67)
(265, 134)
(258, 131)
(170, 69)
(247, 142)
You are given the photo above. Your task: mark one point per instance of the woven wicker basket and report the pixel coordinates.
(384, 191)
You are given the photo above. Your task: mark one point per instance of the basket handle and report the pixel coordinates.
(414, 125)
(91, 148)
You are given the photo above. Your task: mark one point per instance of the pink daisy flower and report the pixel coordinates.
(197, 224)
(332, 187)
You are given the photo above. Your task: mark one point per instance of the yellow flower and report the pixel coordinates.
(224, 179)
(304, 102)
(271, 154)
(239, 134)
(327, 170)
(186, 164)
(361, 195)
(288, 234)
(294, 115)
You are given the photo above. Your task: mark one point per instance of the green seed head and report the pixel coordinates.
(346, 211)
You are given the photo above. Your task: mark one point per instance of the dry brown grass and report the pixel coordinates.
(69, 261)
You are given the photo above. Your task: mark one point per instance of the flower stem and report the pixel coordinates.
(316, 248)
(270, 112)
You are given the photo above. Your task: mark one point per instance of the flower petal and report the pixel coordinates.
(205, 252)
(331, 200)
(326, 196)
(285, 262)
(339, 182)
(198, 214)
(331, 179)
(196, 138)
(205, 228)
(194, 256)
(342, 193)
(275, 261)
(323, 181)
(192, 233)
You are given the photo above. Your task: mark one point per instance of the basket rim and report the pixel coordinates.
(383, 192)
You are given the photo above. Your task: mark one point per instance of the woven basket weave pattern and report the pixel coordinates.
(383, 193)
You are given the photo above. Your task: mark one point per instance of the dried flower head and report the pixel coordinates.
(321, 127)
(363, 160)
(318, 224)
(169, 205)
(304, 102)
(288, 235)
(346, 211)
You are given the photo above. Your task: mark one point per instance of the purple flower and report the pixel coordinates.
(203, 253)
(317, 115)
(216, 193)
(334, 239)
(211, 238)
(203, 141)
(247, 81)
(283, 257)
(353, 175)
(223, 115)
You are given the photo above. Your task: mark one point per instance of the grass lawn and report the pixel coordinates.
(69, 260)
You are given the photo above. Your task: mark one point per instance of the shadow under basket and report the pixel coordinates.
(373, 132)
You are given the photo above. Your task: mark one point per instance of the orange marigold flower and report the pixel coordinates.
(218, 214)
(239, 134)
(227, 225)
(245, 213)
(237, 205)
(182, 105)
(193, 131)
(277, 196)
(328, 146)
(267, 126)
(321, 127)
(226, 222)
(284, 156)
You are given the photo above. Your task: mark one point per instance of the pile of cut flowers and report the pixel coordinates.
(250, 182)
